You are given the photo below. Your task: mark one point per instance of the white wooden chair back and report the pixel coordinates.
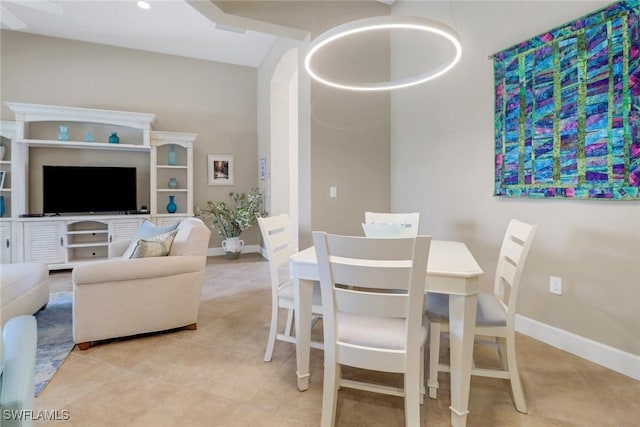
(279, 245)
(410, 221)
(511, 260)
(495, 318)
(376, 322)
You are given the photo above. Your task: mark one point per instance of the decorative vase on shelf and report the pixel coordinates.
(114, 138)
(171, 207)
(173, 183)
(1, 152)
(232, 247)
(171, 160)
(89, 137)
(1, 206)
(63, 133)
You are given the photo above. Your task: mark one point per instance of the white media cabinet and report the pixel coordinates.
(65, 241)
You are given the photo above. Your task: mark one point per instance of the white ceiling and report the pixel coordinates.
(170, 26)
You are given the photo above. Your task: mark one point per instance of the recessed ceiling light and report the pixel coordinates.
(143, 5)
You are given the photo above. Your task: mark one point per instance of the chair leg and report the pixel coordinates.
(502, 353)
(273, 330)
(330, 393)
(412, 396)
(422, 373)
(514, 376)
(434, 358)
(289, 327)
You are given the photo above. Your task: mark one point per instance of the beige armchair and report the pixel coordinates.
(123, 297)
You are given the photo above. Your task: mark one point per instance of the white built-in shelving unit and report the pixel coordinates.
(162, 172)
(66, 241)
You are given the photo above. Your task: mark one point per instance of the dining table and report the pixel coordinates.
(451, 269)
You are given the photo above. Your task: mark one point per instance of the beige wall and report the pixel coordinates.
(442, 166)
(216, 101)
(349, 132)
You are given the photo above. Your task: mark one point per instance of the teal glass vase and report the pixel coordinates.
(171, 207)
(173, 183)
(171, 160)
(1, 206)
(114, 138)
(63, 133)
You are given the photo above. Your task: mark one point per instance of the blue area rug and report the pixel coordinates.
(55, 338)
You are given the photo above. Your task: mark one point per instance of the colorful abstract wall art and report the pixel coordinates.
(567, 110)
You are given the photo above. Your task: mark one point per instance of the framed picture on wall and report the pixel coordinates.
(220, 169)
(263, 168)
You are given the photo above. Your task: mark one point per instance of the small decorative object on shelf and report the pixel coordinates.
(1, 151)
(114, 138)
(171, 207)
(173, 183)
(1, 206)
(63, 133)
(89, 137)
(171, 160)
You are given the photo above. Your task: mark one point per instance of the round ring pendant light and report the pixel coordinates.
(383, 23)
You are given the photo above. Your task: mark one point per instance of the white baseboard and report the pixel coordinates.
(246, 250)
(617, 360)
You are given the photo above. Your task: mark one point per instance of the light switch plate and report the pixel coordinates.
(555, 285)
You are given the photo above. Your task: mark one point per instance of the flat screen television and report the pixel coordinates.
(88, 189)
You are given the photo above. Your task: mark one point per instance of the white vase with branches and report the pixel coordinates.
(231, 220)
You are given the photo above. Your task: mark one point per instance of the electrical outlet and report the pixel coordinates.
(555, 285)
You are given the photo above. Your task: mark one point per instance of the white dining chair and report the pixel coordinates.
(368, 327)
(495, 318)
(279, 245)
(409, 221)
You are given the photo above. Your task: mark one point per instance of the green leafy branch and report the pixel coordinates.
(231, 220)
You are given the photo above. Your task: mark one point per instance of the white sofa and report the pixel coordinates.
(17, 370)
(123, 297)
(24, 289)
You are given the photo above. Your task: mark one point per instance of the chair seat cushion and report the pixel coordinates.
(286, 292)
(147, 229)
(375, 332)
(490, 311)
(159, 245)
(380, 230)
(148, 232)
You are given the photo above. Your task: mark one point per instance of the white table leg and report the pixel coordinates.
(303, 295)
(462, 318)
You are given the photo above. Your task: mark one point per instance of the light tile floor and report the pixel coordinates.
(215, 376)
